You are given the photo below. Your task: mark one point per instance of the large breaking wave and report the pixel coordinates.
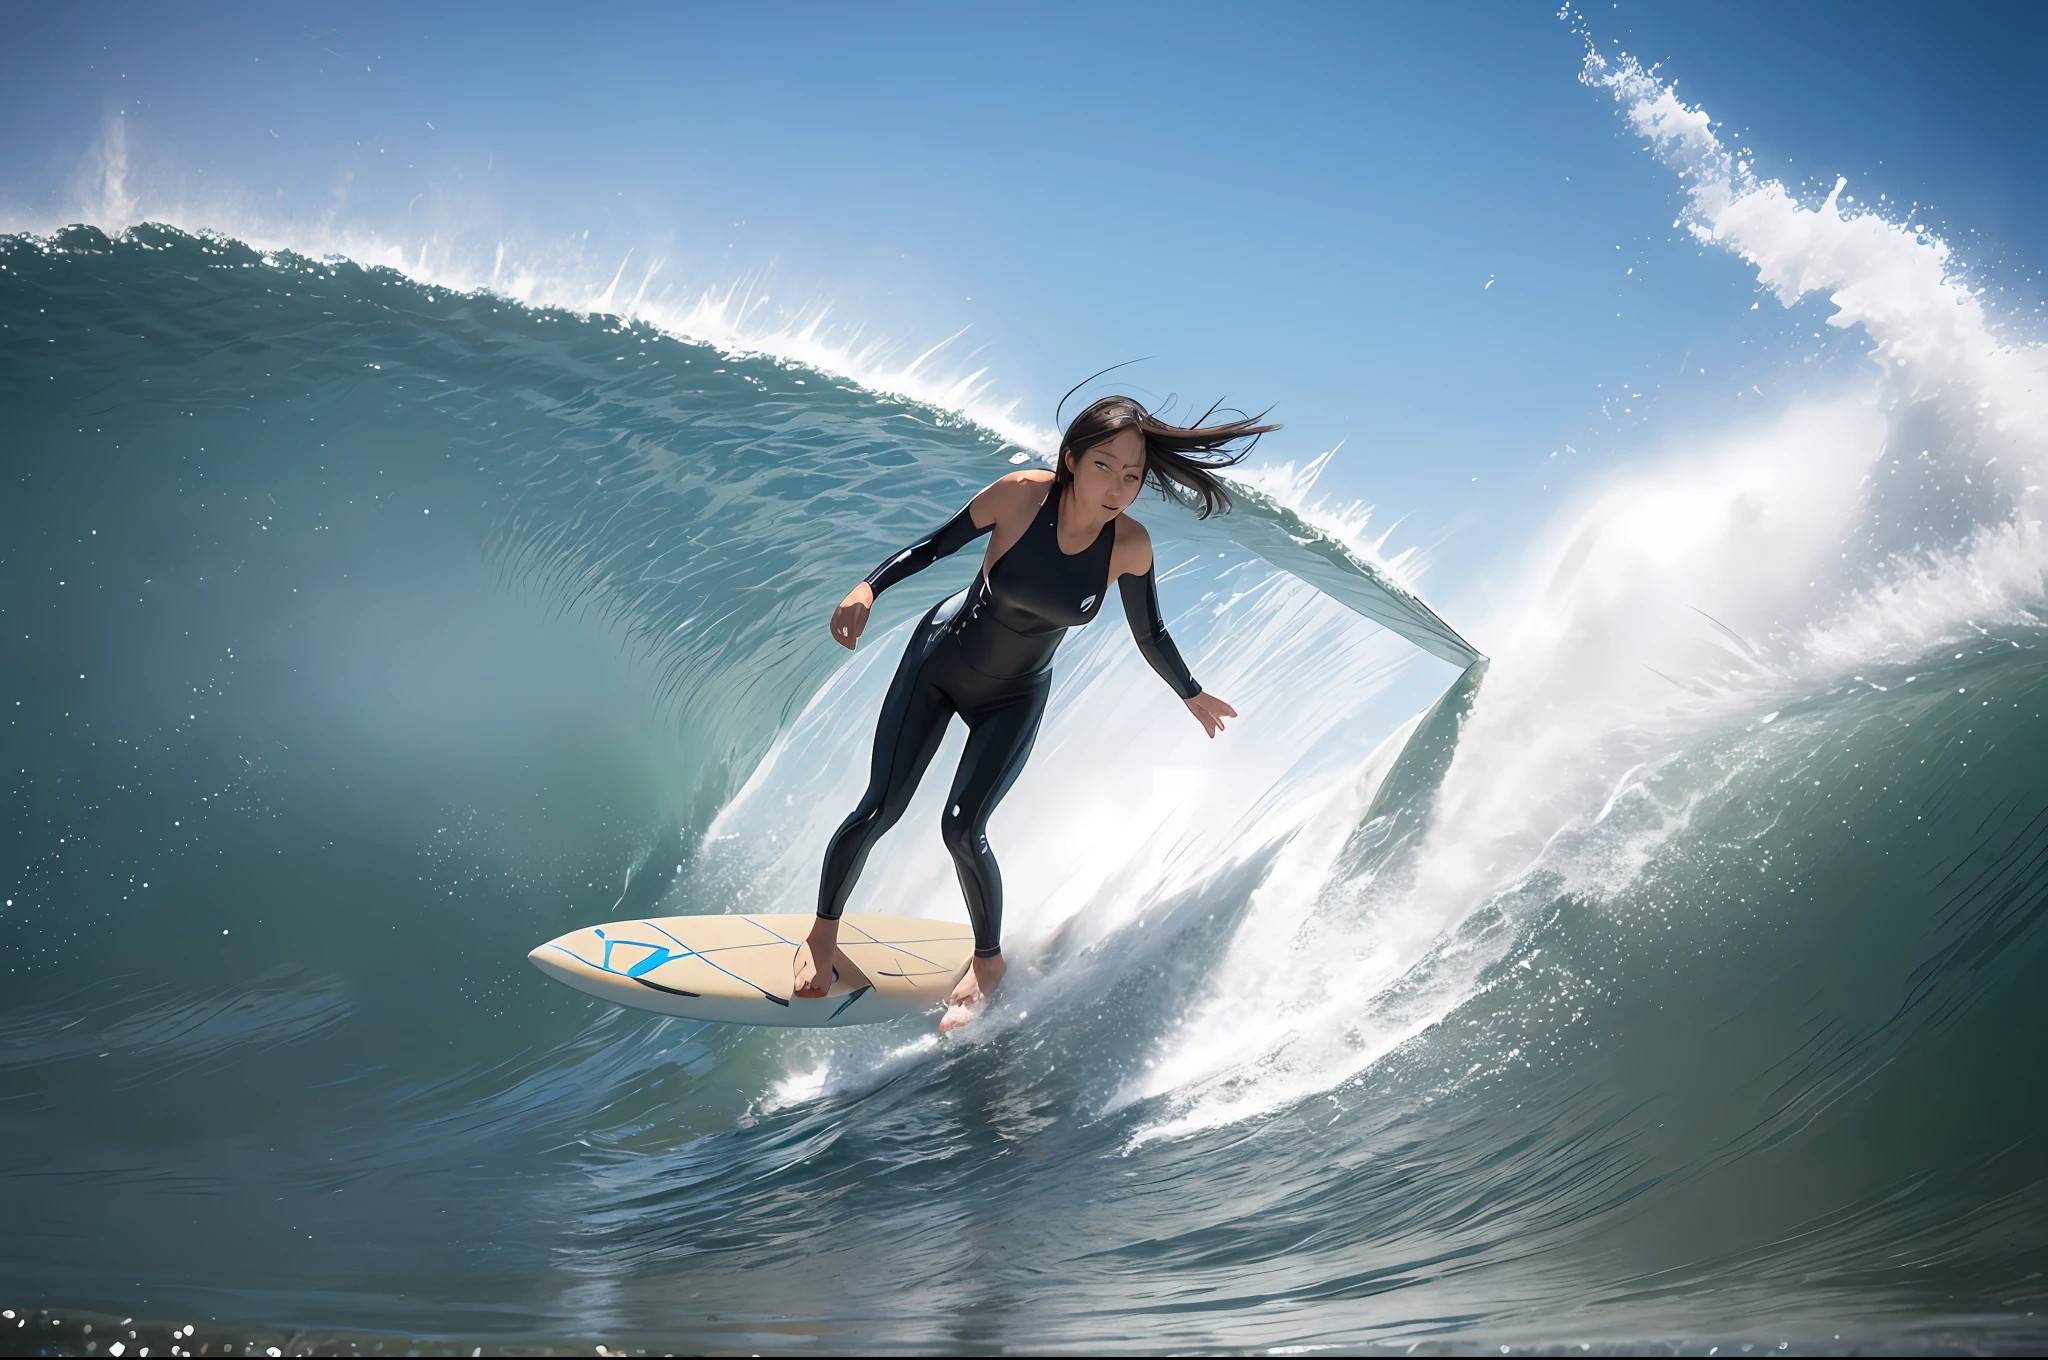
(1671, 974)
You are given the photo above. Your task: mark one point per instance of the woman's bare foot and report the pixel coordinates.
(814, 959)
(971, 993)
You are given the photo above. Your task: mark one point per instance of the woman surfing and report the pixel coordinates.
(1058, 539)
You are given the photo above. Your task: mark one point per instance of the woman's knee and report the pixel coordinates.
(962, 833)
(955, 830)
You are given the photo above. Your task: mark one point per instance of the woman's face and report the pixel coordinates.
(1110, 474)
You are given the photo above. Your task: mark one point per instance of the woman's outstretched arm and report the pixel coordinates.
(1134, 581)
(949, 538)
(976, 518)
(1155, 644)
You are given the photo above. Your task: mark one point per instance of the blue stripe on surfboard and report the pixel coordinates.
(756, 921)
(672, 958)
(778, 1000)
(633, 976)
(578, 957)
(898, 945)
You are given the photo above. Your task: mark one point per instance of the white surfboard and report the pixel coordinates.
(741, 969)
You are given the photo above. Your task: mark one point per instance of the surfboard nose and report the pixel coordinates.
(547, 957)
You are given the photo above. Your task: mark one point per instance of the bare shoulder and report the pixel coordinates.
(1026, 488)
(1011, 494)
(1132, 553)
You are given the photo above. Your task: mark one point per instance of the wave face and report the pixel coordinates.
(1679, 978)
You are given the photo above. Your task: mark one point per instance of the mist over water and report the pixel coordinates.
(1670, 975)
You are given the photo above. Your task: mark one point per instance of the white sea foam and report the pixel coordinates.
(1964, 400)
(1735, 567)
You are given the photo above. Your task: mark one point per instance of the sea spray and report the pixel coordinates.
(1659, 608)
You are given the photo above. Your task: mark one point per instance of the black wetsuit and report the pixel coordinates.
(986, 654)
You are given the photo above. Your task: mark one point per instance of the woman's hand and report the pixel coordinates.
(852, 615)
(1211, 711)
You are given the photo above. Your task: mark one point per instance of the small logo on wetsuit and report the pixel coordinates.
(1087, 604)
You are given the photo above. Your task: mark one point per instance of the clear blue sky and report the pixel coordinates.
(1290, 206)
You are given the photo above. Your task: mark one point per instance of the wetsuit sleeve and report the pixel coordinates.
(949, 538)
(1141, 607)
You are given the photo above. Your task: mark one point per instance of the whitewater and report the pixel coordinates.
(1666, 974)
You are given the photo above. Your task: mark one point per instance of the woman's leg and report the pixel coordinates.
(913, 720)
(998, 743)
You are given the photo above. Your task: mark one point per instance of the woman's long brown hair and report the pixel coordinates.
(1174, 461)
